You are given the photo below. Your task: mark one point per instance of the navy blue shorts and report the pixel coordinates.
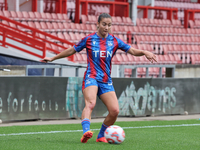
(102, 87)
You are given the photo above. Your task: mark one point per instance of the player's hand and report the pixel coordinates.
(150, 56)
(46, 59)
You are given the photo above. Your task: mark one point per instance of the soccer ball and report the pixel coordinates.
(114, 134)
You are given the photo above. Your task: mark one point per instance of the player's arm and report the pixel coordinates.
(137, 52)
(68, 52)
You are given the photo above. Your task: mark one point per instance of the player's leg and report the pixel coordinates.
(89, 91)
(89, 94)
(111, 102)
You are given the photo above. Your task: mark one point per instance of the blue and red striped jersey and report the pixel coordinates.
(100, 52)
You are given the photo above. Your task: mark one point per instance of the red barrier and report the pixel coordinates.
(170, 11)
(189, 15)
(85, 3)
(23, 39)
(34, 34)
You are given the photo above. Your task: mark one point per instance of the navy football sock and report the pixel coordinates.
(101, 133)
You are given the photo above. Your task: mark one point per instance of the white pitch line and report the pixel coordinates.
(140, 127)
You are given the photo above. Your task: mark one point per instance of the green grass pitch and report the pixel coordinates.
(140, 135)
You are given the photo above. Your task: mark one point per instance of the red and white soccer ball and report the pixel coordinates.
(114, 134)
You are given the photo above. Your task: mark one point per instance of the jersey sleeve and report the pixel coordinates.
(122, 45)
(81, 44)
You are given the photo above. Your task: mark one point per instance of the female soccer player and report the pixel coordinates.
(101, 46)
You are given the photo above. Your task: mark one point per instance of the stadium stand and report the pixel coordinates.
(167, 38)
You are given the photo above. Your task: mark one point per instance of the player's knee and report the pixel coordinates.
(114, 112)
(91, 105)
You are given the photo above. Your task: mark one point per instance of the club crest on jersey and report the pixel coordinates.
(94, 42)
(110, 43)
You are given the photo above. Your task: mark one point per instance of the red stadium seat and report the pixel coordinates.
(50, 27)
(44, 17)
(60, 35)
(197, 23)
(129, 21)
(84, 19)
(93, 28)
(67, 37)
(115, 29)
(140, 22)
(165, 49)
(177, 59)
(114, 20)
(20, 16)
(60, 49)
(38, 16)
(54, 47)
(141, 71)
(6, 13)
(164, 31)
(5, 22)
(26, 16)
(12, 25)
(1, 13)
(183, 49)
(156, 22)
(37, 25)
(61, 17)
(119, 20)
(170, 49)
(49, 17)
(191, 24)
(125, 59)
(175, 30)
(13, 15)
(127, 72)
(176, 23)
(135, 29)
(78, 58)
(55, 17)
(32, 16)
(62, 27)
(84, 28)
(31, 24)
(91, 19)
(130, 59)
(115, 60)
(82, 35)
(84, 56)
(78, 36)
(53, 40)
(48, 46)
(150, 31)
(120, 59)
(172, 59)
(167, 59)
(73, 37)
(42, 36)
(23, 29)
(124, 20)
(122, 38)
(78, 27)
(72, 27)
(55, 26)
(65, 17)
(44, 26)
(66, 26)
